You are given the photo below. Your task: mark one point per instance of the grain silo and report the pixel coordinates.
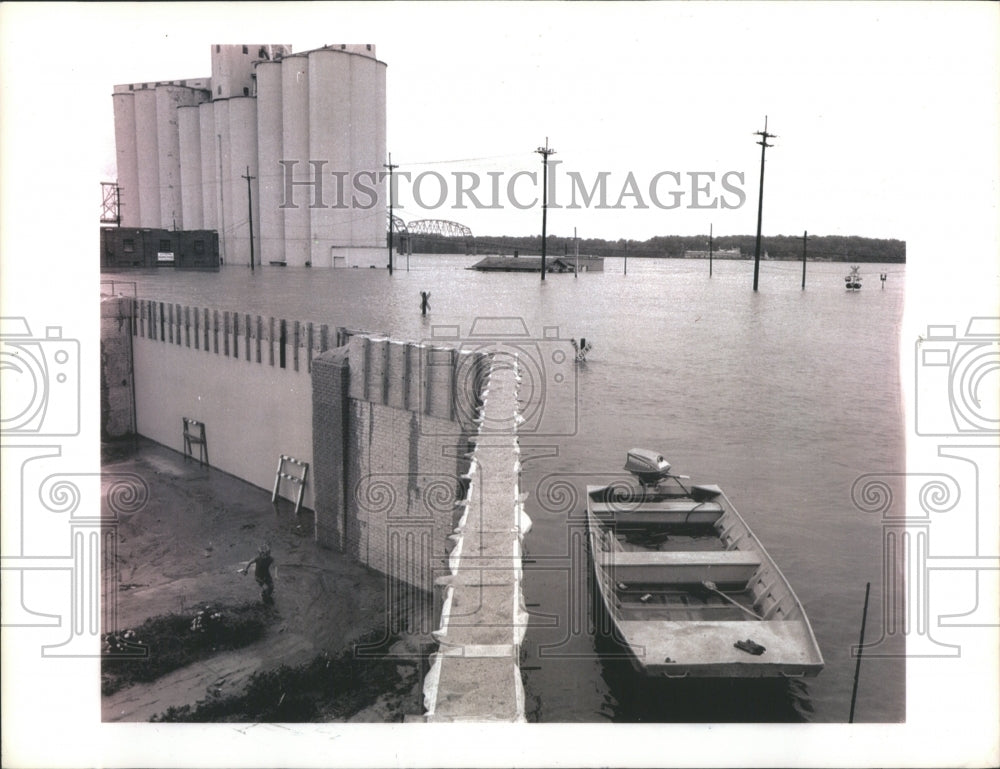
(269, 153)
(295, 156)
(344, 130)
(189, 145)
(209, 166)
(243, 197)
(368, 153)
(224, 176)
(125, 156)
(329, 140)
(169, 97)
(308, 128)
(147, 157)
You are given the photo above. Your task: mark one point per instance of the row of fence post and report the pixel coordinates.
(233, 334)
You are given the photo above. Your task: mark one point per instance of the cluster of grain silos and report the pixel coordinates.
(308, 129)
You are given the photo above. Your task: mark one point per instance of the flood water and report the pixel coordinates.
(784, 397)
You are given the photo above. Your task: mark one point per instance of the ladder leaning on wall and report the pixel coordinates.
(299, 480)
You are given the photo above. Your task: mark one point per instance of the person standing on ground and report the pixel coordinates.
(262, 572)
(425, 302)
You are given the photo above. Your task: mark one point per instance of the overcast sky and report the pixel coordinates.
(865, 99)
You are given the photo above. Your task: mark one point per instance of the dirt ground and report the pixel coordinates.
(182, 549)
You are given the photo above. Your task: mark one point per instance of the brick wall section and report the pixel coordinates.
(401, 486)
(387, 483)
(329, 392)
(116, 367)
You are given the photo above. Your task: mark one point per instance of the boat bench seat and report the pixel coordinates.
(676, 567)
(674, 506)
(665, 514)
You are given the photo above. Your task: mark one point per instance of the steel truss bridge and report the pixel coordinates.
(429, 229)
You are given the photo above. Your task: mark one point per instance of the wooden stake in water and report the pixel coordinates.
(710, 238)
(805, 237)
(861, 643)
(576, 247)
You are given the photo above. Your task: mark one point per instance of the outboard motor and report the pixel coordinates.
(648, 466)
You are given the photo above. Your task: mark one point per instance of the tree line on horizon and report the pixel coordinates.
(834, 248)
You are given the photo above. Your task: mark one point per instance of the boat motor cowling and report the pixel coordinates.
(648, 466)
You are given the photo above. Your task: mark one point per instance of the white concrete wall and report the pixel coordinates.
(252, 411)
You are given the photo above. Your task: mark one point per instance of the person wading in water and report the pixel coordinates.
(262, 572)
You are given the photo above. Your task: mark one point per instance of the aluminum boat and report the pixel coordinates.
(688, 588)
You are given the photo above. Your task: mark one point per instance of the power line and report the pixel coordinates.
(465, 160)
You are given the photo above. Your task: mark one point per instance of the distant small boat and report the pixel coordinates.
(689, 589)
(852, 281)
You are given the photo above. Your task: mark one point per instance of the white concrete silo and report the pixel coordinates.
(243, 196)
(381, 142)
(209, 166)
(269, 170)
(330, 140)
(189, 138)
(224, 176)
(147, 156)
(168, 98)
(367, 158)
(295, 154)
(125, 156)
(233, 67)
(229, 75)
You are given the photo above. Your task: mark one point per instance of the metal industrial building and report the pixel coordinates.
(303, 126)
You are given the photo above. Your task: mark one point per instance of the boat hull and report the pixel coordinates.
(656, 591)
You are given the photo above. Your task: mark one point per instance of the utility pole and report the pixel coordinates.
(764, 136)
(118, 205)
(390, 166)
(710, 250)
(626, 257)
(248, 177)
(545, 152)
(805, 237)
